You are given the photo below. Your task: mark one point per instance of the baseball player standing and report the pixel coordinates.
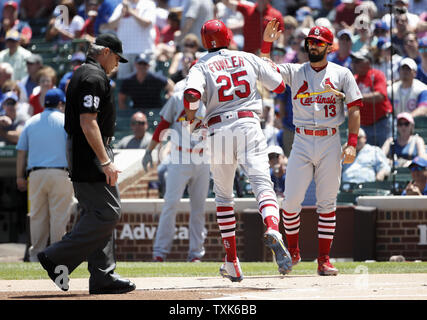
(316, 150)
(182, 171)
(225, 81)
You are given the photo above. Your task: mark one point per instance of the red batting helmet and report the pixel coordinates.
(321, 33)
(215, 34)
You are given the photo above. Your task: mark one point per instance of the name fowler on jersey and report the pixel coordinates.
(224, 64)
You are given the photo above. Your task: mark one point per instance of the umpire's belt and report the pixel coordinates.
(231, 115)
(318, 132)
(42, 168)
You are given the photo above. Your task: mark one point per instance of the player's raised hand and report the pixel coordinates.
(272, 32)
(348, 154)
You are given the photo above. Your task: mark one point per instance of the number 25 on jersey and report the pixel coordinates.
(242, 92)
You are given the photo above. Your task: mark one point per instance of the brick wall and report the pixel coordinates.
(398, 234)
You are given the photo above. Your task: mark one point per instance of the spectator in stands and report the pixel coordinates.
(105, 10)
(363, 39)
(402, 27)
(190, 44)
(90, 15)
(342, 55)
(278, 162)
(370, 164)
(10, 21)
(76, 61)
(194, 14)
(418, 185)
(407, 145)
(140, 137)
(41, 152)
(167, 33)
(381, 30)
(401, 8)
(15, 54)
(375, 116)
(422, 67)
(382, 60)
(46, 78)
(346, 14)
(186, 62)
(144, 87)
(6, 73)
(256, 16)
(11, 122)
(134, 21)
(410, 94)
(29, 83)
(61, 31)
(23, 106)
(410, 45)
(233, 20)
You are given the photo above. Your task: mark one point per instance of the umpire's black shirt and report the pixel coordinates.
(88, 91)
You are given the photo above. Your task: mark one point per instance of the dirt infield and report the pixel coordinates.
(299, 287)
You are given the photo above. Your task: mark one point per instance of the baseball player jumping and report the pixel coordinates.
(320, 89)
(225, 81)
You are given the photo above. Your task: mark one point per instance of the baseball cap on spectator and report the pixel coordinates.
(418, 161)
(404, 1)
(12, 4)
(301, 13)
(381, 25)
(275, 149)
(362, 55)
(347, 1)
(53, 97)
(344, 32)
(143, 57)
(410, 63)
(78, 56)
(10, 95)
(13, 34)
(407, 116)
(111, 41)
(34, 58)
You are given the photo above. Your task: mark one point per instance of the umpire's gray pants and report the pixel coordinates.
(92, 238)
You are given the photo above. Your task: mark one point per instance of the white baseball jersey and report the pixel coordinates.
(406, 100)
(226, 79)
(312, 106)
(173, 112)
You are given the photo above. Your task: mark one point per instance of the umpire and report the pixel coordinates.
(89, 121)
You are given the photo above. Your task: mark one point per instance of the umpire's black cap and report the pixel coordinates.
(111, 41)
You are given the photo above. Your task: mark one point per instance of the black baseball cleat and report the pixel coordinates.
(117, 287)
(50, 267)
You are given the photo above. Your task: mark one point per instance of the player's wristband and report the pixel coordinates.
(266, 47)
(106, 163)
(352, 139)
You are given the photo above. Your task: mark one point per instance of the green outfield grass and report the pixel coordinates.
(25, 270)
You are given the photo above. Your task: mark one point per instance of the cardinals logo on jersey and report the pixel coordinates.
(302, 90)
(328, 81)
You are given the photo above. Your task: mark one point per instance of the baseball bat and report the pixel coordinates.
(336, 92)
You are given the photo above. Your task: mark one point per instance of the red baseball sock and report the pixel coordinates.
(291, 223)
(326, 230)
(227, 226)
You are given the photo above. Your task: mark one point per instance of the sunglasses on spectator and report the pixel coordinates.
(138, 122)
(315, 42)
(190, 45)
(403, 123)
(417, 168)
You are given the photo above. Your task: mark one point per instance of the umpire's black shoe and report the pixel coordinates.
(117, 287)
(60, 279)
